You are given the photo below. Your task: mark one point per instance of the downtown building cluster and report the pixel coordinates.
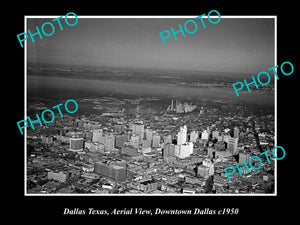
(105, 154)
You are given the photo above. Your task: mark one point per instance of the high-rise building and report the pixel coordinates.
(171, 107)
(226, 138)
(181, 107)
(232, 145)
(88, 135)
(121, 139)
(236, 132)
(177, 150)
(138, 129)
(135, 141)
(204, 135)
(194, 136)
(169, 150)
(182, 135)
(184, 150)
(191, 147)
(119, 128)
(76, 144)
(168, 139)
(115, 172)
(97, 136)
(118, 173)
(156, 141)
(215, 134)
(149, 134)
(109, 142)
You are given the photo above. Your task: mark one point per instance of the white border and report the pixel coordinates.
(148, 195)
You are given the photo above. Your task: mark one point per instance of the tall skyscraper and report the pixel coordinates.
(236, 132)
(171, 107)
(232, 145)
(182, 135)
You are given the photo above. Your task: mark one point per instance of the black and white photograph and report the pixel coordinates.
(149, 118)
(176, 114)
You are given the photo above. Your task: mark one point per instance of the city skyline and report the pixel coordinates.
(127, 152)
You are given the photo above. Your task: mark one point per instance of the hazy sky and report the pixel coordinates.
(236, 45)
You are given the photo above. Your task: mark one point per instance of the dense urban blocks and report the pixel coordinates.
(231, 169)
(285, 72)
(49, 112)
(193, 27)
(48, 29)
